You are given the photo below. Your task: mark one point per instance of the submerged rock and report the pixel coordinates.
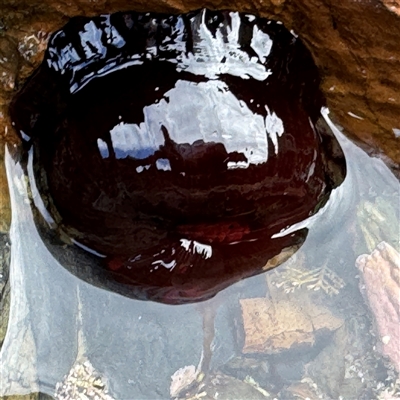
(381, 282)
(82, 382)
(189, 385)
(174, 147)
(271, 327)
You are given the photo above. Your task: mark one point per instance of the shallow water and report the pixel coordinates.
(301, 328)
(135, 346)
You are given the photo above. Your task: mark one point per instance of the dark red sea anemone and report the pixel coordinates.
(175, 146)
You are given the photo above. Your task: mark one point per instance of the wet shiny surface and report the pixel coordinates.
(175, 147)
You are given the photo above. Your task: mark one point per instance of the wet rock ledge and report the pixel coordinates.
(354, 44)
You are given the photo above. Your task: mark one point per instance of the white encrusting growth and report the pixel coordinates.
(205, 111)
(196, 247)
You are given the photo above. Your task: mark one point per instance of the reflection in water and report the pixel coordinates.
(174, 150)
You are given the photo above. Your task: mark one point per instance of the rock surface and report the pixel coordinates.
(219, 386)
(381, 282)
(271, 327)
(82, 382)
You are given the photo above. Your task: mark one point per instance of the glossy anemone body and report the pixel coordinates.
(177, 146)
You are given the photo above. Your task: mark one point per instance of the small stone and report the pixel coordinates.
(82, 381)
(182, 379)
(273, 327)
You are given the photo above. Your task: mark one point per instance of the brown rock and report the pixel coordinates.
(381, 278)
(8, 64)
(272, 327)
(393, 5)
(328, 369)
